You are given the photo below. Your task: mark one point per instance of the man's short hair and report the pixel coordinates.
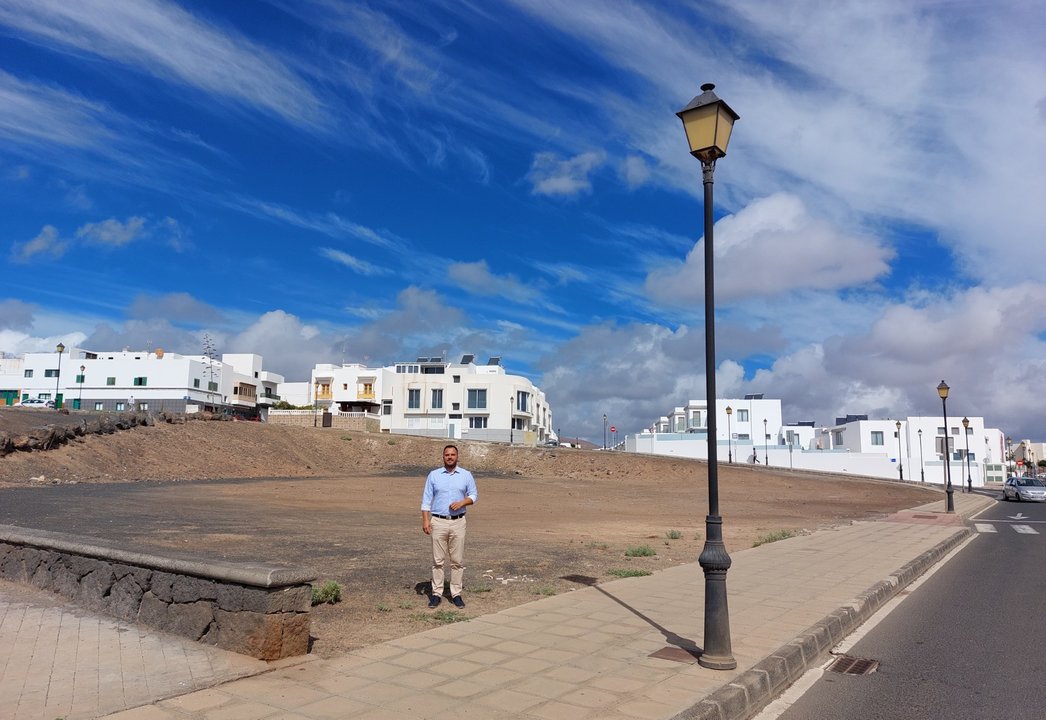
(446, 447)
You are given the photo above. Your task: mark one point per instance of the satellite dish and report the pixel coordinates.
(158, 352)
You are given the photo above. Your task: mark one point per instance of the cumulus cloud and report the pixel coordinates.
(549, 175)
(16, 315)
(177, 307)
(48, 242)
(476, 278)
(772, 247)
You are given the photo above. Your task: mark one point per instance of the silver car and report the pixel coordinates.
(1024, 488)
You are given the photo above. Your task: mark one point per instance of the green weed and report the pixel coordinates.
(773, 537)
(640, 551)
(629, 573)
(673, 534)
(327, 593)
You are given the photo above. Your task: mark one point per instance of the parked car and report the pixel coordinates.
(1024, 488)
(37, 403)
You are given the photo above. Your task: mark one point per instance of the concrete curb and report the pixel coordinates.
(754, 689)
(252, 574)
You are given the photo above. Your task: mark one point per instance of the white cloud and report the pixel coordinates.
(16, 315)
(176, 307)
(353, 263)
(549, 175)
(477, 279)
(48, 242)
(772, 247)
(635, 171)
(112, 232)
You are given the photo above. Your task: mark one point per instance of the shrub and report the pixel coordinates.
(773, 537)
(673, 534)
(640, 551)
(629, 573)
(327, 593)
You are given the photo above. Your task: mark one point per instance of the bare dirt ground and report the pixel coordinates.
(347, 505)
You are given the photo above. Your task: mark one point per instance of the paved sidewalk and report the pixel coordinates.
(623, 649)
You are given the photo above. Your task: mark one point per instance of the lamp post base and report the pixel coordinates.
(714, 560)
(949, 502)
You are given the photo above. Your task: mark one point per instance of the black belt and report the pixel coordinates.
(449, 517)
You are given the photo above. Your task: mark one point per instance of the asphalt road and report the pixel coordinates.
(967, 643)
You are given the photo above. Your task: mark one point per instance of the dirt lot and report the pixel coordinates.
(346, 504)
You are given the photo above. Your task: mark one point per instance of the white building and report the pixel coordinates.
(436, 398)
(910, 448)
(141, 380)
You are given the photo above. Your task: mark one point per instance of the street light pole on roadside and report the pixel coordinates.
(900, 465)
(511, 424)
(966, 432)
(922, 458)
(58, 373)
(729, 436)
(315, 401)
(949, 503)
(604, 431)
(80, 400)
(766, 445)
(708, 122)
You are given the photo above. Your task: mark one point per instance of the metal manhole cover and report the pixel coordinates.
(677, 654)
(847, 665)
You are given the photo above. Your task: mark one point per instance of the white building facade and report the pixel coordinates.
(141, 380)
(436, 398)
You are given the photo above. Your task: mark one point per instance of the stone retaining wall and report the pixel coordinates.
(251, 609)
(306, 418)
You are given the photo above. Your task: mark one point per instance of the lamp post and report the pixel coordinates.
(900, 465)
(58, 374)
(966, 431)
(922, 458)
(511, 425)
(766, 445)
(708, 121)
(1009, 456)
(80, 400)
(604, 431)
(790, 439)
(949, 504)
(729, 436)
(315, 401)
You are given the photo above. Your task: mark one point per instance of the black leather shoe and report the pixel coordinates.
(458, 602)
(434, 601)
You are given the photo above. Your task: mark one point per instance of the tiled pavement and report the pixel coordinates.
(582, 655)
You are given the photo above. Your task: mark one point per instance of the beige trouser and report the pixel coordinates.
(448, 543)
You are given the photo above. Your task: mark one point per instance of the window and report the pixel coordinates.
(837, 438)
(196, 382)
(939, 445)
(742, 416)
(455, 406)
(877, 437)
(523, 401)
(344, 386)
(99, 406)
(478, 423)
(28, 373)
(140, 381)
(212, 386)
(110, 381)
(517, 423)
(143, 406)
(955, 430)
(457, 378)
(680, 424)
(413, 399)
(386, 407)
(50, 373)
(477, 399)
(437, 399)
(695, 419)
(119, 407)
(742, 436)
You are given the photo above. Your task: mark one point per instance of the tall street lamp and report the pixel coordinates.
(315, 401)
(766, 444)
(729, 436)
(511, 424)
(900, 465)
(80, 400)
(604, 431)
(922, 458)
(708, 121)
(949, 504)
(1009, 456)
(58, 373)
(966, 431)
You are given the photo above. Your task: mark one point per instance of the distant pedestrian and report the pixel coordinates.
(448, 491)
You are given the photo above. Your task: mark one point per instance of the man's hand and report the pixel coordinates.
(454, 506)
(426, 527)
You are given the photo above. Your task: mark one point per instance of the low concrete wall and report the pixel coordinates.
(341, 421)
(255, 610)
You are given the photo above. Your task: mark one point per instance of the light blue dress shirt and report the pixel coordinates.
(442, 488)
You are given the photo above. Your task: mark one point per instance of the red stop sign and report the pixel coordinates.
(613, 429)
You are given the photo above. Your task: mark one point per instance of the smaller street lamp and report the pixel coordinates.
(949, 503)
(604, 431)
(315, 401)
(922, 458)
(511, 424)
(766, 445)
(966, 431)
(791, 438)
(58, 374)
(80, 400)
(729, 436)
(900, 465)
(1009, 456)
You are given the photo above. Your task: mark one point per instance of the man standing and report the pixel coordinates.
(448, 491)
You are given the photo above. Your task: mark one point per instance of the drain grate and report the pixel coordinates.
(847, 665)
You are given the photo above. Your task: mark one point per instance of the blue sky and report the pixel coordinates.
(319, 181)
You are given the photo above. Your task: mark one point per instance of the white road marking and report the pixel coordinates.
(1025, 529)
(984, 527)
(790, 696)
(1018, 516)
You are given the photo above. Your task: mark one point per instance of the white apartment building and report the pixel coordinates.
(141, 380)
(436, 398)
(914, 448)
